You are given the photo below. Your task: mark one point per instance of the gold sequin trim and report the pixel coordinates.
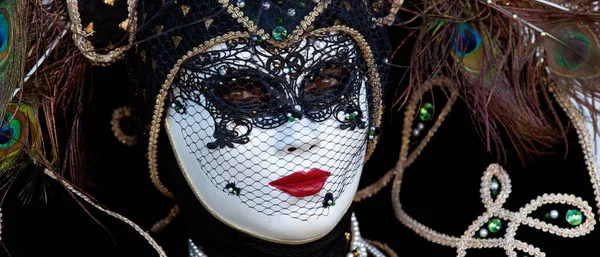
(159, 109)
(115, 123)
(85, 46)
(446, 83)
(84, 197)
(294, 37)
(494, 207)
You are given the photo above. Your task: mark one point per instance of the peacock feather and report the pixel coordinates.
(13, 35)
(506, 56)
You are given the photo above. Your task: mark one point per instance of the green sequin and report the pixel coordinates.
(574, 217)
(495, 225)
(280, 20)
(279, 33)
(426, 112)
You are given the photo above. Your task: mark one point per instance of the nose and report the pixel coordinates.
(302, 138)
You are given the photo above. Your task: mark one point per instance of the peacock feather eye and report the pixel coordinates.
(466, 41)
(9, 132)
(576, 51)
(467, 47)
(5, 33)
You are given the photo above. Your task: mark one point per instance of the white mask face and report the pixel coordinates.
(273, 143)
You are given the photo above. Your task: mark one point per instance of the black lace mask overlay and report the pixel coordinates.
(250, 113)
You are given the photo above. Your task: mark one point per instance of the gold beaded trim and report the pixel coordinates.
(367, 55)
(294, 37)
(446, 83)
(120, 217)
(115, 123)
(391, 17)
(494, 207)
(86, 47)
(163, 223)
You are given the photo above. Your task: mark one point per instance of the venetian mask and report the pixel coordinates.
(270, 120)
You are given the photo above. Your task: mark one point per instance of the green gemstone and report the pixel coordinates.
(574, 217)
(280, 20)
(259, 40)
(352, 116)
(332, 203)
(414, 141)
(301, 5)
(177, 108)
(426, 112)
(291, 119)
(255, 20)
(495, 225)
(372, 133)
(279, 33)
(495, 192)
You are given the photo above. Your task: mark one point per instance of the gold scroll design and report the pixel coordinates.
(294, 36)
(494, 209)
(409, 116)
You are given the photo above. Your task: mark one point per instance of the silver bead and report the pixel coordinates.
(286, 70)
(553, 214)
(386, 60)
(241, 3)
(291, 12)
(420, 125)
(298, 108)
(483, 232)
(266, 5)
(416, 132)
(494, 185)
(222, 71)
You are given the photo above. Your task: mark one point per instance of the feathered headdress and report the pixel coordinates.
(505, 57)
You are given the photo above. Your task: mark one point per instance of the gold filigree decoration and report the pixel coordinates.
(89, 29)
(494, 207)
(208, 22)
(413, 102)
(177, 40)
(80, 37)
(185, 9)
(124, 25)
(115, 123)
(294, 37)
(159, 107)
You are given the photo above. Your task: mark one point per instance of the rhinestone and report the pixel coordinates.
(301, 5)
(266, 5)
(291, 12)
(425, 112)
(279, 33)
(495, 225)
(298, 107)
(494, 185)
(241, 3)
(286, 70)
(574, 217)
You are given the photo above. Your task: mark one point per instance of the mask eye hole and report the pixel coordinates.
(328, 83)
(244, 95)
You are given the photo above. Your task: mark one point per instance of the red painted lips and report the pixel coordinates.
(302, 183)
